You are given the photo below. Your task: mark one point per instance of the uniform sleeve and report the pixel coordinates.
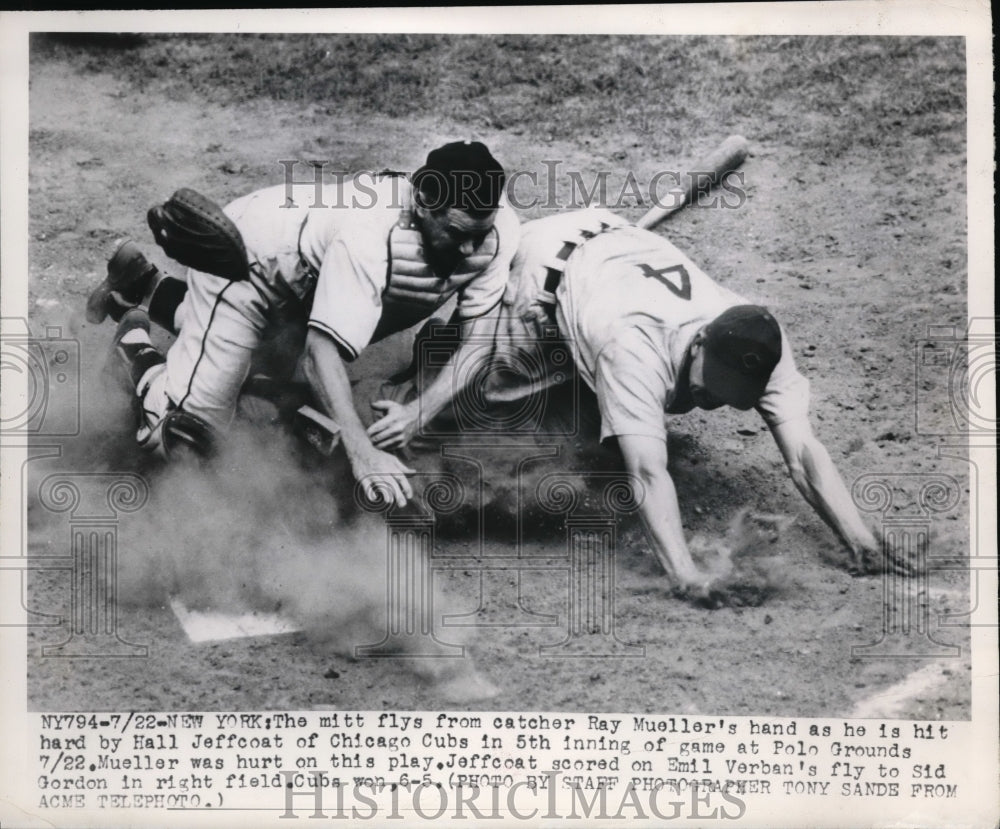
(482, 294)
(348, 300)
(632, 386)
(787, 394)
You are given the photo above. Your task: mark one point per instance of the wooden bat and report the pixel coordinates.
(728, 156)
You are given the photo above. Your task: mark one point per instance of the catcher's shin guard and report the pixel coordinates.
(133, 353)
(164, 431)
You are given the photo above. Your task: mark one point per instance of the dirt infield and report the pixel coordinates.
(851, 228)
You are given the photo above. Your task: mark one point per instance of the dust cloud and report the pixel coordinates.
(264, 527)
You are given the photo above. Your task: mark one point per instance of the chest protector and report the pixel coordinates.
(411, 281)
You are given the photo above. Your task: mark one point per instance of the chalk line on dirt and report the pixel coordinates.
(891, 701)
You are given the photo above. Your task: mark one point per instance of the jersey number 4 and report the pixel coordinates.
(683, 290)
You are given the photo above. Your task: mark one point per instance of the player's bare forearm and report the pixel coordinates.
(646, 460)
(327, 375)
(448, 383)
(402, 421)
(816, 477)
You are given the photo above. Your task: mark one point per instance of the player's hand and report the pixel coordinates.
(382, 476)
(537, 313)
(397, 426)
(867, 560)
(704, 592)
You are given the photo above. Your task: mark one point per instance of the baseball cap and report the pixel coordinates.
(742, 346)
(463, 175)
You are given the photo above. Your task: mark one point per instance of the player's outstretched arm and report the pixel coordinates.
(646, 460)
(820, 483)
(378, 472)
(397, 427)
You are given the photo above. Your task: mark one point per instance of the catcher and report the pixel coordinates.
(378, 261)
(652, 334)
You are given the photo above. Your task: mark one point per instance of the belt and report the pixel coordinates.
(554, 272)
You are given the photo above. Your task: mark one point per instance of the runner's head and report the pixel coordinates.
(732, 358)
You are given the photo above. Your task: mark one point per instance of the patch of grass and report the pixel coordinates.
(829, 94)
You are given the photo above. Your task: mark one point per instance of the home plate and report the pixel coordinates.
(216, 626)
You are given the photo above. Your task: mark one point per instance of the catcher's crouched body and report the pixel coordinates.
(265, 269)
(194, 231)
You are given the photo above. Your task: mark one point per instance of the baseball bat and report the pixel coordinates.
(728, 156)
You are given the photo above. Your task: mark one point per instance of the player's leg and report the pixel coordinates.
(162, 428)
(200, 377)
(222, 324)
(135, 360)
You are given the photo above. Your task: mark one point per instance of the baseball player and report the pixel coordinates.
(652, 334)
(382, 256)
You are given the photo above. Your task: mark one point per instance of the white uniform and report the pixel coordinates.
(354, 270)
(629, 303)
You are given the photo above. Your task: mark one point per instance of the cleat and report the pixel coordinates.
(103, 303)
(129, 269)
(129, 277)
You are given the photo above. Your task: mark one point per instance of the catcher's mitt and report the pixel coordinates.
(193, 230)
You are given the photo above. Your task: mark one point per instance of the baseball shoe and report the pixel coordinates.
(130, 320)
(129, 276)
